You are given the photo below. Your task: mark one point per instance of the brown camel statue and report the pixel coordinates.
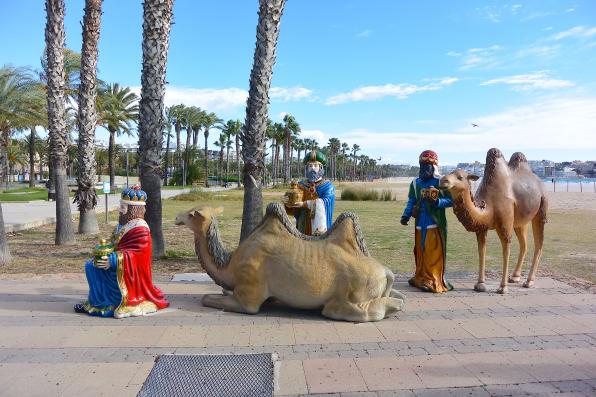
(509, 197)
(333, 271)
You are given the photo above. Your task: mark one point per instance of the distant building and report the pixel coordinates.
(542, 168)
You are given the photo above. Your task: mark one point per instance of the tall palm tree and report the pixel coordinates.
(278, 137)
(209, 120)
(168, 134)
(118, 110)
(233, 129)
(221, 144)
(177, 113)
(54, 38)
(255, 126)
(355, 150)
(334, 146)
(344, 148)
(85, 197)
(157, 21)
(291, 130)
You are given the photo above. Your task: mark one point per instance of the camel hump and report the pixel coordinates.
(277, 211)
(517, 159)
(492, 155)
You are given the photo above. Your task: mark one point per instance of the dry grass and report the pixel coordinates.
(568, 249)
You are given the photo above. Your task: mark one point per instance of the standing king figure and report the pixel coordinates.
(120, 283)
(314, 214)
(427, 204)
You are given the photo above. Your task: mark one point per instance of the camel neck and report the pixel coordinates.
(214, 258)
(473, 218)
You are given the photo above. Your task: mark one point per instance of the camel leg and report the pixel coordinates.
(373, 310)
(481, 239)
(505, 237)
(522, 236)
(538, 232)
(244, 300)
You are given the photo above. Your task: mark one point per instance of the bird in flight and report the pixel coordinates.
(474, 125)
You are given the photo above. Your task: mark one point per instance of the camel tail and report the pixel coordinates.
(543, 209)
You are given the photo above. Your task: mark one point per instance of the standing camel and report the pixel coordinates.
(509, 197)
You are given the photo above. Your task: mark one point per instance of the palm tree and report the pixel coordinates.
(355, 150)
(221, 144)
(118, 110)
(255, 126)
(344, 148)
(278, 137)
(168, 133)
(334, 146)
(54, 37)
(177, 113)
(209, 120)
(157, 20)
(85, 197)
(291, 130)
(233, 129)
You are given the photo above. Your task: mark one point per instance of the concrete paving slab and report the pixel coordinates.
(431, 348)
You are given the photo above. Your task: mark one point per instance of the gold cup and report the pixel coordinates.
(294, 195)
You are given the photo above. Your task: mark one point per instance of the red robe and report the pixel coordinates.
(135, 261)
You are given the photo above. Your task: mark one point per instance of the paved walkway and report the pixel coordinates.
(22, 216)
(540, 341)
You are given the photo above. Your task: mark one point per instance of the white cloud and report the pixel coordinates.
(317, 135)
(290, 94)
(534, 81)
(400, 91)
(478, 58)
(576, 32)
(569, 10)
(545, 126)
(543, 51)
(217, 99)
(364, 34)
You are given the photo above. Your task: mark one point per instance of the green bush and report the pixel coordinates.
(194, 173)
(359, 194)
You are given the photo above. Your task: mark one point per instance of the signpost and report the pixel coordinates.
(106, 191)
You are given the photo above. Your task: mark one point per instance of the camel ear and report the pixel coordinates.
(218, 210)
(473, 177)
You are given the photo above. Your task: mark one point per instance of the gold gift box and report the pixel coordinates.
(294, 195)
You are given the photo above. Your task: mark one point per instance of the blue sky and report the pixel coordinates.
(394, 77)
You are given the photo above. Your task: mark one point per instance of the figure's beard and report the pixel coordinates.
(313, 176)
(134, 212)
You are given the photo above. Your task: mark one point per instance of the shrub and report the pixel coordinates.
(194, 173)
(387, 195)
(359, 194)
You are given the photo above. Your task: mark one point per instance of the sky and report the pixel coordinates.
(394, 77)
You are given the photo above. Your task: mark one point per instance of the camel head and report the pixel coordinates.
(198, 219)
(457, 182)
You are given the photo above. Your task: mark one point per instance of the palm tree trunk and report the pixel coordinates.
(167, 164)
(257, 104)
(54, 36)
(227, 163)
(111, 153)
(186, 152)
(32, 158)
(206, 132)
(4, 251)
(157, 20)
(178, 129)
(287, 158)
(86, 196)
(238, 159)
(195, 137)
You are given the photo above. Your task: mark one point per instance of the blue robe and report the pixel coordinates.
(326, 192)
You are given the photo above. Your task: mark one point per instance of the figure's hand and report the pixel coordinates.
(404, 220)
(299, 204)
(102, 263)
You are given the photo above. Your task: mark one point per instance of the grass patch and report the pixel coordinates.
(568, 250)
(24, 194)
(359, 194)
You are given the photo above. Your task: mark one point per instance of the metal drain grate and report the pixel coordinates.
(210, 376)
